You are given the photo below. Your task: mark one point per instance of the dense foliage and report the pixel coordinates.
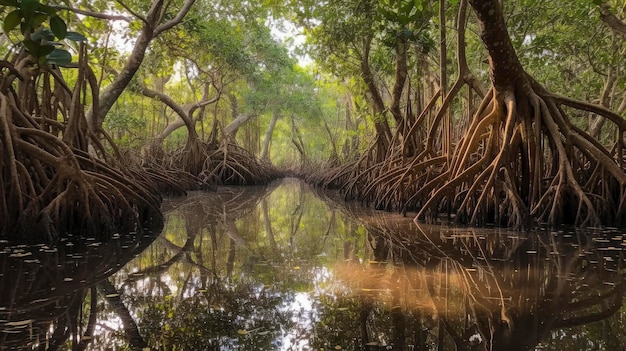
(219, 90)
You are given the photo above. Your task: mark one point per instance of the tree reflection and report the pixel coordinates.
(47, 293)
(213, 281)
(469, 289)
(259, 268)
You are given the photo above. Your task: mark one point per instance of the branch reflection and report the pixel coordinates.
(482, 289)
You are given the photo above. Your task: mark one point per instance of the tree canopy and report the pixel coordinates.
(485, 113)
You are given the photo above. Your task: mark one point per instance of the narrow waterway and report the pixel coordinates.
(284, 268)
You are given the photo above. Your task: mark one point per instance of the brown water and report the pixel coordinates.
(278, 268)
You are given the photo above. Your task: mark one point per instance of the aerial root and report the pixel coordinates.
(496, 171)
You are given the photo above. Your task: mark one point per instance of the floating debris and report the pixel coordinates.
(20, 324)
(20, 254)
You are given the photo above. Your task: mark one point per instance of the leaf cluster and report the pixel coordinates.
(41, 28)
(403, 22)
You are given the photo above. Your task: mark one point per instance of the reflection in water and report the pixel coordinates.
(489, 289)
(47, 293)
(276, 268)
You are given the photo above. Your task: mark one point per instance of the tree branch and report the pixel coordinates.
(613, 22)
(167, 100)
(93, 14)
(134, 338)
(586, 319)
(140, 17)
(176, 20)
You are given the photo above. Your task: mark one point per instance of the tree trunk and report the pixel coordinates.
(506, 70)
(230, 131)
(151, 29)
(383, 132)
(609, 18)
(265, 151)
(521, 158)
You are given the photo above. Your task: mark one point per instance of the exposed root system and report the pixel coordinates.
(52, 183)
(519, 162)
(223, 163)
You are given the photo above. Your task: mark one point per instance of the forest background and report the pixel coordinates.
(376, 100)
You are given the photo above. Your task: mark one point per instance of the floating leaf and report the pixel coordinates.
(20, 323)
(242, 332)
(20, 254)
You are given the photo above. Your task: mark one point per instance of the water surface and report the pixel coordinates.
(280, 268)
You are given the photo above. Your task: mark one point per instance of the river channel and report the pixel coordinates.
(282, 267)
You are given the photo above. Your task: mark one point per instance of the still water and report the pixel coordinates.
(283, 268)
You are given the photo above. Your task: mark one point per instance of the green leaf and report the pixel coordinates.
(47, 9)
(42, 33)
(28, 5)
(388, 14)
(38, 19)
(74, 36)
(58, 27)
(37, 50)
(60, 57)
(12, 20)
(32, 47)
(407, 8)
(46, 49)
(403, 19)
(9, 3)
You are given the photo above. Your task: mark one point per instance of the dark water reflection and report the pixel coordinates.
(47, 292)
(276, 268)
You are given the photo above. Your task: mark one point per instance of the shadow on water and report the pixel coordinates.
(277, 268)
(48, 293)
